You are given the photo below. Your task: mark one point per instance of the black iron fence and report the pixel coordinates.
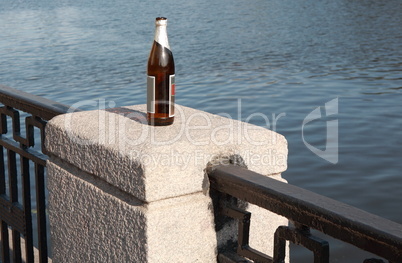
(22, 175)
(306, 210)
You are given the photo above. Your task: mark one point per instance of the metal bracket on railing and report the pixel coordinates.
(300, 235)
(243, 247)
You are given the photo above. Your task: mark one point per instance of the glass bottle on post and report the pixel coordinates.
(161, 78)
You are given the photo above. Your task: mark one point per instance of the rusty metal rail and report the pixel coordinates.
(22, 168)
(306, 210)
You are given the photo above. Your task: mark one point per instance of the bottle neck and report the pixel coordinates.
(161, 36)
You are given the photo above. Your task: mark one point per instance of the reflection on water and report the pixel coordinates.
(274, 56)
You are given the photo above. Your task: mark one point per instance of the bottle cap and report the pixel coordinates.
(161, 21)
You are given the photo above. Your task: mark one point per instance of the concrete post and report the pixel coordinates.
(123, 191)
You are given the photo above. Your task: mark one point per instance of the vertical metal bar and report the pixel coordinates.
(26, 196)
(279, 245)
(5, 246)
(16, 236)
(12, 178)
(41, 126)
(29, 129)
(318, 258)
(41, 208)
(5, 253)
(244, 231)
(2, 173)
(13, 189)
(321, 255)
(3, 121)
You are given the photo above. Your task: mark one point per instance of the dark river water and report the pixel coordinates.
(326, 74)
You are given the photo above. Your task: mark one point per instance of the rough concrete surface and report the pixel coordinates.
(92, 222)
(155, 163)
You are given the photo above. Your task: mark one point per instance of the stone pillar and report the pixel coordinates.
(123, 191)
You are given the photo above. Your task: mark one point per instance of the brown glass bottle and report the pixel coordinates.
(161, 78)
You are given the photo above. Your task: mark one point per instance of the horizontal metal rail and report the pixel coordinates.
(307, 209)
(37, 106)
(22, 168)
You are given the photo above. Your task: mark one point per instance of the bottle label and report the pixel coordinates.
(172, 92)
(151, 95)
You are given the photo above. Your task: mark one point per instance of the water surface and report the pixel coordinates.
(274, 57)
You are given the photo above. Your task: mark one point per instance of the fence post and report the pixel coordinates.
(123, 191)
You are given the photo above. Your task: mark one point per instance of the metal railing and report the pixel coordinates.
(306, 210)
(22, 174)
